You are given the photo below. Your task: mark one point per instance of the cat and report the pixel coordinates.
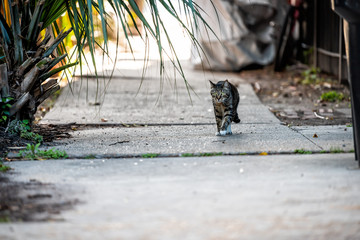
(225, 98)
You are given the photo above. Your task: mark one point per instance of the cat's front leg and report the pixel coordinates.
(225, 128)
(228, 130)
(218, 125)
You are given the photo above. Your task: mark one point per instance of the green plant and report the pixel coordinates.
(5, 110)
(90, 156)
(23, 129)
(53, 154)
(187, 155)
(302, 151)
(307, 54)
(332, 96)
(32, 152)
(311, 76)
(4, 219)
(150, 155)
(33, 51)
(16, 126)
(30, 54)
(336, 150)
(201, 154)
(210, 154)
(35, 137)
(4, 168)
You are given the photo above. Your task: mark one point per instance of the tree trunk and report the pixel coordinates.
(4, 84)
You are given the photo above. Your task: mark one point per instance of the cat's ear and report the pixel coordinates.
(226, 83)
(212, 84)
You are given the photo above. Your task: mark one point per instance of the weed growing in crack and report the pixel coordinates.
(336, 150)
(32, 152)
(150, 155)
(4, 168)
(90, 156)
(201, 154)
(302, 151)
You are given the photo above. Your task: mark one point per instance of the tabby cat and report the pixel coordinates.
(225, 98)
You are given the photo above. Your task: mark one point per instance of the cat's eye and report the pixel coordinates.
(224, 94)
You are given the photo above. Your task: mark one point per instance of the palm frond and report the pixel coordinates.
(16, 28)
(31, 55)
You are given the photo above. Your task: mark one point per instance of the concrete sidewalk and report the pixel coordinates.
(170, 123)
(126, 195)
(234, 197)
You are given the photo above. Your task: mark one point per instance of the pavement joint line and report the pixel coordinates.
(307, 138)
(93, 125)
(197, 154)
(178, 155)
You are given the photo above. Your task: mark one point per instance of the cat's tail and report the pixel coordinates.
(236, 118)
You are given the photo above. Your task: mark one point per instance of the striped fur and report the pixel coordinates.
(225, 98)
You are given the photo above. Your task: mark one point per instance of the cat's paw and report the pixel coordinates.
(217, 134)
(228, 130)
(223, 133)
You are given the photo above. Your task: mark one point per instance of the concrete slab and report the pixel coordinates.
(122, 102)
(247, 197)
(330, 138)
(176, 140)
(130, 68)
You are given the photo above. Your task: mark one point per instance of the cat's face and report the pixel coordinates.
(220, 92)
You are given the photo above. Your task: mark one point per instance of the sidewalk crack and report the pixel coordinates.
(321, 148)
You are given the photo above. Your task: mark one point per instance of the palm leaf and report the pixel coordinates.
(35, 26)
(22, 21)
(53, 45)
(53, 11)
(47, 75)
(5, 30)
(16, 28)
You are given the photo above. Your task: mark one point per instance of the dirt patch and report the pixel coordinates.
(52, 132)
(294, 96)
(8, 140)
(31, 201)
(49, 133)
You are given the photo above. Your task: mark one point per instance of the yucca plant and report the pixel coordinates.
(32, 49)
(28, 59)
